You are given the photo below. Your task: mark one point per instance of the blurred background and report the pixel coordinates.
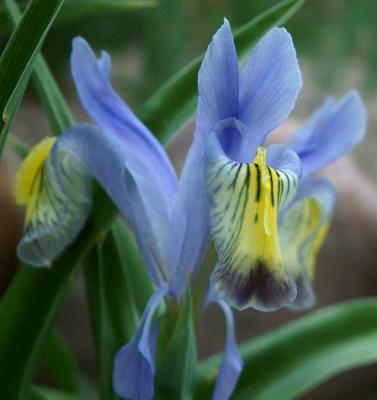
(337, 51)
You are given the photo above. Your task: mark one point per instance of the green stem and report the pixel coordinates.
(202, 281)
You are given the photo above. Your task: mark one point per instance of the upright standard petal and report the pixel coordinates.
(218, 81)
(302, 230)
(145, 159)
(218, 100)
(134, 365)
(333, 131)
(245, 200)
(231, 365)
(55, 188)
(269, 84)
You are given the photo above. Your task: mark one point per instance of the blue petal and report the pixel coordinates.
(218, 81)
(62, 207)
(231, 365)
(134, 364)
(130, 186)
(107, 109)
(333, 131)
(218, 100)
(269, 84)
(146, 162)
(282, 158)
(91, 77)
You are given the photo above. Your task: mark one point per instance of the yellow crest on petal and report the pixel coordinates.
(28, 178)
(245, 200)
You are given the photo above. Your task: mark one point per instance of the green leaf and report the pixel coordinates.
(18, 146)
(139, 287)
(118, 289)
(288, 362)
(30, 305)
(177, 364)
(17, 59)
(76, 9)
(58, 112)
(60, 363)
(174, 103)
(42, 393)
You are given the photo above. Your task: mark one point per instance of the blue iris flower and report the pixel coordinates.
(264, 210)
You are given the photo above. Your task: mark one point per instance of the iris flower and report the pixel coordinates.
(263, 210)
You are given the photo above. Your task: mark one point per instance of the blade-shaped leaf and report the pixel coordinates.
(60, 363)
(289, 361)
(43, 393)
(17, 59)
(174, 103)
(118, 289)
(57, 109)
(177, 363)
(18, 146)
(30, 305)
(76, 9)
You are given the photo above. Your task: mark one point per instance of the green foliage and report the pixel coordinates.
(118, 289)
(17, 59)
(288, 362)
(174, 103)
(177, 363)
(42, 393)
(77, 9)
(60, 363)
(57, 109)
(29, 307)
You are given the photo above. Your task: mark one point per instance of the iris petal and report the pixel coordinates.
(269, 84)
(148, 168)
(218, 100)
(333, 131)
(244, 203)
(107, 109)
(231, 364)
(134, 365)
(116, 170)
(302, 231)
(218, 80)
(59, 204)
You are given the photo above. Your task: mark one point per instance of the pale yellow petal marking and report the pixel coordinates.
(303, 232)
(28, 178)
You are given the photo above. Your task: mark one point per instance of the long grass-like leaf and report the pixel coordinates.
(118, 288)
(287, 362)
(58, 112)
(18, 57)
(29, 307)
